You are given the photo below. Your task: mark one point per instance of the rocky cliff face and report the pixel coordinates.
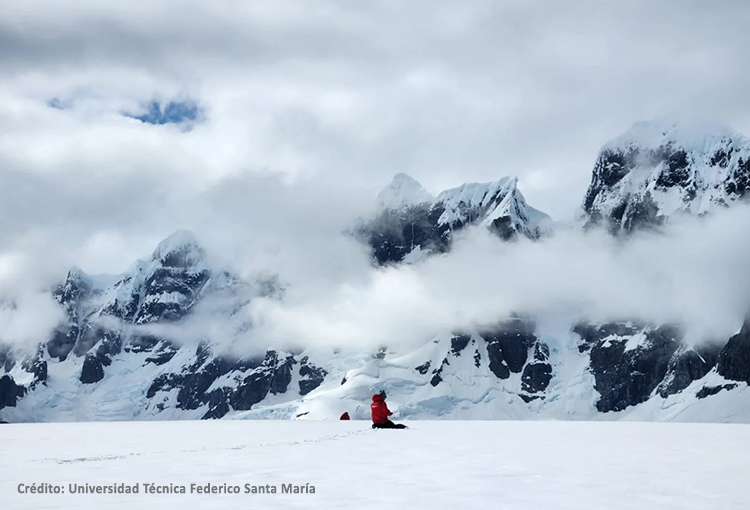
(411, 223)
(659, 169)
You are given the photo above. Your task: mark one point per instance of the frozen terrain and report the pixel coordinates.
(505, 465)
(180, 334)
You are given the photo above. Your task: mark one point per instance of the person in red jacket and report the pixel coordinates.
(380, 413)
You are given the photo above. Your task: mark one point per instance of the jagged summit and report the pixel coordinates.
(403, 190)
(412, 223)
(180, 249)
(658, 169)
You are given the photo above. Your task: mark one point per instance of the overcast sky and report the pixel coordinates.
(307, 109)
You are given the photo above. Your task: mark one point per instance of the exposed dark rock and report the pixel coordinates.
(626, 376)
(195, 380)
(163, 354)
(423, 368)
(310, 376)
(497, 362)
(380, 354)
(273, 376)
(218, 411)
(707, 391)
(536, 377)
(738, 183)
(437, 377)
(459, 343)
(508, 346)
(688, 365)
(10, 392)
(592, 334)
(395, 233)
(609, 169)
(676, 172)
(503, 228)
(477, 358)
(93, 369)
(734, 359)
(611, 166)
(170, 280)
(529, 398)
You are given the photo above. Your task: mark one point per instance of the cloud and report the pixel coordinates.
(307, 110)
(447, 93)
(692, 274)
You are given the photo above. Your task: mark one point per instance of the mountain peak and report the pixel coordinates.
(688, 134)
(180, 249)
(403, 190)
(660, 168)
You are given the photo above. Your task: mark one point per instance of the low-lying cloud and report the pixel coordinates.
(694, 273)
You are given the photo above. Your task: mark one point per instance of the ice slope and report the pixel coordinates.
(434, 465)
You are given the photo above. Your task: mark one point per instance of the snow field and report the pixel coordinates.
(504, 465)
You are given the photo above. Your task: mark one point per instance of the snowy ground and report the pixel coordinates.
(434, 465)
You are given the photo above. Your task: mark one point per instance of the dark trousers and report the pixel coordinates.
(388, 425)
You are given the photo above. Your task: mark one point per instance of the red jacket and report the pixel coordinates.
(380, 412)
(344, 416)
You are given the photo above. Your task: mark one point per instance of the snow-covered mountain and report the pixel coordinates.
(128, 349)
(412, 223)
(135, 346)
(658, 169)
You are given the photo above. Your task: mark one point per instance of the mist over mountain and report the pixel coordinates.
(469, 303)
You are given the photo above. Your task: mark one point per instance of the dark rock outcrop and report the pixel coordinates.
(423, 368)
(537, 375)
(508, 346)
(93, 369)
(734, 359)
(272, 376)
(395, 233)
(707, 391)
(688, 365)
(628, 365)
(10, 392)
(437, 374)
(459, 343)
(310, 376)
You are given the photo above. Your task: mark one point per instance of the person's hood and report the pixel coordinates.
(377, 398)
